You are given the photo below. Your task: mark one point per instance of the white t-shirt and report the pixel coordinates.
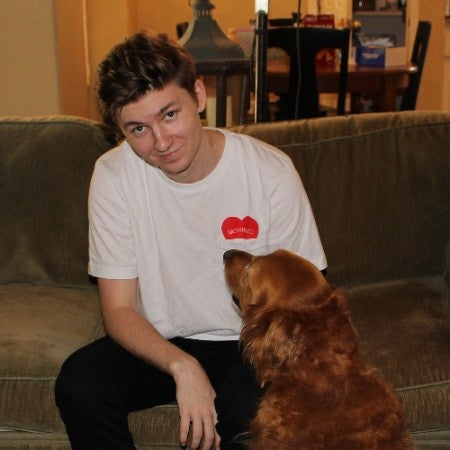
(172, 236)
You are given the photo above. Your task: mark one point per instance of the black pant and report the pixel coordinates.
(101, 383)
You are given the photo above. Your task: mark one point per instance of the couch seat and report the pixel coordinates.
(403, 326)
(32, 323)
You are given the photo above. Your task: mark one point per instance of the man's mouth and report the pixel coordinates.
(169, 156)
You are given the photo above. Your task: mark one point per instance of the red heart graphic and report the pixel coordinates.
(235, 228)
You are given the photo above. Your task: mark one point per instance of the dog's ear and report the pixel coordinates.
(336, 313)
(273, 341)
(290, 281)
(331, 310)
(279, 341)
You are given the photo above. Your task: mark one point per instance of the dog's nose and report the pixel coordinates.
(229, 254)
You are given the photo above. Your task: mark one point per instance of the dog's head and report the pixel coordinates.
(280, 279)
(292, 316)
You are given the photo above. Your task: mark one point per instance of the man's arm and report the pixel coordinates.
(195, 395)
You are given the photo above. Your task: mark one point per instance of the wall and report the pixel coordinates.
(70, 21)
(446, 83)
(87, 29)
(106, 27)
(48, 65)
(28, 70)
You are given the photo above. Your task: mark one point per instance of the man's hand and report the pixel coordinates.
(195, 395)
(195, 398)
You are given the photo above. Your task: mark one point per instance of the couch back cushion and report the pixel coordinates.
(45, 170)
(378, 185)
(379, 188)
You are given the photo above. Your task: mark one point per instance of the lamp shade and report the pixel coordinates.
(204, 40)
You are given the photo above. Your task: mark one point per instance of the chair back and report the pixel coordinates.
(282, 22)
(418, 58)
(302, 45)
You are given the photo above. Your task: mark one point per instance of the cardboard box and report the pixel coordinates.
(319, 20)
(379, 56)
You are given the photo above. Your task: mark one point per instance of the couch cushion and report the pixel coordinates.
(45, 170)
(158, 426)
(39, 327)
(404, 329)
(379, 188)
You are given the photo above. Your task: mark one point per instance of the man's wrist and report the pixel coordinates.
(178, 366)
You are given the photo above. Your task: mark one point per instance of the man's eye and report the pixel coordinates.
(138, 130)
(171, 115)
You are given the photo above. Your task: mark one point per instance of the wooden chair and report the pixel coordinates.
(278, 22)
(302, 45)
(418, 58)
(281, 22)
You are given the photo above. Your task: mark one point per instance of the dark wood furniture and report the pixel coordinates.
(302, 45)
(385, 82)
(418, 58)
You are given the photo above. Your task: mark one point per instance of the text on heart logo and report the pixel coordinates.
(236, 228)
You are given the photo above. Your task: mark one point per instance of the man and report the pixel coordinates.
(163, 208)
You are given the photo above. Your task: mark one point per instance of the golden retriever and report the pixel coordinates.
(297, 332)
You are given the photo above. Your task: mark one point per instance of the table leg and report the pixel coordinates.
(389, 94)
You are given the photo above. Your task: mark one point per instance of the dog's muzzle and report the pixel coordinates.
(229, 254)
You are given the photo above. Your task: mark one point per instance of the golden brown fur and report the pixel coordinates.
(298, 334)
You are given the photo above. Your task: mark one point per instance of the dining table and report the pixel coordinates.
(382, 83)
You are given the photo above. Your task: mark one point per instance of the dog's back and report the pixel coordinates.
(298, 334)
(355, 410)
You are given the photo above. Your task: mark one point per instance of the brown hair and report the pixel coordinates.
(140, 64)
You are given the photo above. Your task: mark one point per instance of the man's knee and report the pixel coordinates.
(73, 383)
(85, 376)
(86, 394)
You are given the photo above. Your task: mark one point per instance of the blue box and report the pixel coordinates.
(378, 56)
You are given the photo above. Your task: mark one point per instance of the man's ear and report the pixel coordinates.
(200, 91)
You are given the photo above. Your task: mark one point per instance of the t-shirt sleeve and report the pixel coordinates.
(111, 246)
(292, 221)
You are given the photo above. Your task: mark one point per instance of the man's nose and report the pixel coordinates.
(162, 141)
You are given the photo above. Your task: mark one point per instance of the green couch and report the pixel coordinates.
(379, 185)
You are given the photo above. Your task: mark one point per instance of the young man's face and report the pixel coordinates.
(165, 130)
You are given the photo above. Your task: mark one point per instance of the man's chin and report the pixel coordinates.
(177, 172)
